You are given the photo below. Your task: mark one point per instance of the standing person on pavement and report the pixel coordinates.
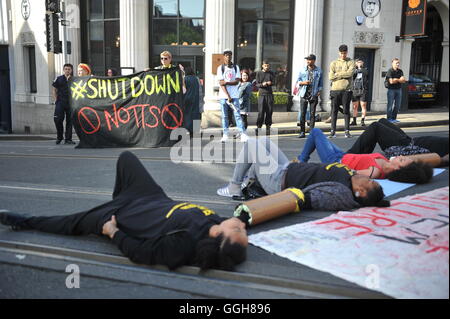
(228, 75)
(264, 82)
(310, 82)
(191, 100)
(245, 93)
(62, 106)
(341, 72)
(394, 80)
(360, 88)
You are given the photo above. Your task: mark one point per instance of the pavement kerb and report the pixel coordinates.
(283, 128)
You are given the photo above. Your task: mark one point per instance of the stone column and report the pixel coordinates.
(134, 26)
(219, 35)
(308, 29)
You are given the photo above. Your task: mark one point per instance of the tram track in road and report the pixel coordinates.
(186, 279)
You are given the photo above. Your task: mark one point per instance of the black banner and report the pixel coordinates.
(138, 110)
(413, 18)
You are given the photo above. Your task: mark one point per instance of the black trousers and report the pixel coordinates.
(382, 132)
(62, 110)
(339, 98)
(265, 110)
(312, 110)
(132, 182)
(387, 134)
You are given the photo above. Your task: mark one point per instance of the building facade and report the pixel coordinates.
(128, 35)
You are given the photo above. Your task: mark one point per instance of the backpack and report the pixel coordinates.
(386, 82)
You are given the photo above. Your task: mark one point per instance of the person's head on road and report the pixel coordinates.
(368, 192)
(310, 60)
(265, 66)
(359, 64)
(404, 170)
(166, 59)
(343, 52)
(228, 56)
(68, 70)
(396, 64)
(84, 69)
(225, 247)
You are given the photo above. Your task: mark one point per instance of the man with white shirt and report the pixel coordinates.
(228, 75)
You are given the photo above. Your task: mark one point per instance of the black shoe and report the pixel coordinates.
(332, 134)
(302, 135)
(353, 123)
(362, 122)
(16, 221)
(69, 142)
(58, 142)
(347, 134)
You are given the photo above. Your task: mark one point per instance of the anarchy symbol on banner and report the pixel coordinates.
(87, 125)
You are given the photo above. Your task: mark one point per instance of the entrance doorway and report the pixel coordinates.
(368, 56)
(5, 91)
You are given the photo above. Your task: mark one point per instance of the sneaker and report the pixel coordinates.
(69, 142)
(347, 134)
(332, 134)
(58, 142)
(395, 121)
(224, 139)
(244, 137)
(229, 191)
(328, 120)
(302, 135)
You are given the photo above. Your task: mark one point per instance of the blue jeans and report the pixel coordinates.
(394, 97)
(237, 116)
(328, 152)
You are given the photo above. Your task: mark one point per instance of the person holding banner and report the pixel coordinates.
(148, 226)
(228, 75)
(84, 70)
(191, 100)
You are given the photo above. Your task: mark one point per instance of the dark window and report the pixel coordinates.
(31, 52)
(103, 35)
(178, 26)
(264, 30)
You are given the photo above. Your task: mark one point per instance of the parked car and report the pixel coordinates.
(421, 89)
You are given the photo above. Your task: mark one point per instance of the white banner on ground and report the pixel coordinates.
(401, 250)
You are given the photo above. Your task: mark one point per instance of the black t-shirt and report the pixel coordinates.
(148, 218)
(435, 144)
(394, 74)
(61, 85)
(261, 77)
(301, 175)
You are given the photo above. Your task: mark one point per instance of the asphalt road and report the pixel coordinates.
(41, 178)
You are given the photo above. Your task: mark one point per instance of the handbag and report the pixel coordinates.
(252, 190)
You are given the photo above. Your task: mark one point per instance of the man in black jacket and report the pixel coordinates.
(148, 226)
(264, 82)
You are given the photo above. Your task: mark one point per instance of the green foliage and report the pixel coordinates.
(280, 98)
